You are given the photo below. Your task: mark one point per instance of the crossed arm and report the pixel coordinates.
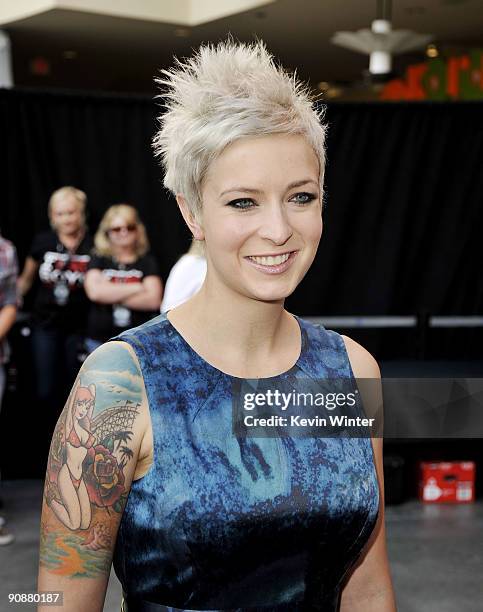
(145, 295)
(89, 476)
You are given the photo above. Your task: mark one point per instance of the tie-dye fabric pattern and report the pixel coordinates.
(241, 524)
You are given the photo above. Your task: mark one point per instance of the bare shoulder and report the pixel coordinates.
(112, 349)
(118, 360)
(114, 366)
(111, 355)
(363, 363)
(95, 451)
(118, 365)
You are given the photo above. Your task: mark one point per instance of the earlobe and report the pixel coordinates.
(190, 220)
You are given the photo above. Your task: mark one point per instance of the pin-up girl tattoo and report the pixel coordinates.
(74, 508)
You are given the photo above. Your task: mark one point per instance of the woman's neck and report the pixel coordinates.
(124, 254)
(72, 241)
(245, 337)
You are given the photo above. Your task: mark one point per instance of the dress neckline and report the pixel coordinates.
(296, 366)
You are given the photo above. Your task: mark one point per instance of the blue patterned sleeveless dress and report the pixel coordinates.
(241, 524)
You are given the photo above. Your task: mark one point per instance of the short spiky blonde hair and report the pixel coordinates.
(223, 93)
(130, 215)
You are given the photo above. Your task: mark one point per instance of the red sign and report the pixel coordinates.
(447, 481)
(454, 78)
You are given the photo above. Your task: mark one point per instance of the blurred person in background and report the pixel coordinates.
(58, 260)
(8, 313)
(122, 281)
(186, 277)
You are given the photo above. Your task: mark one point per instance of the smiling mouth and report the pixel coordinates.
(270, 260)
(272, 264)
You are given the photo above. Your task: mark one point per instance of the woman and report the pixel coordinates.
(73, 508)
(122, 281)
(217, 521)
(58, 260)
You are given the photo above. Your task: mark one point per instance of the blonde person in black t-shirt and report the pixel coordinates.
(55, 269)
(122, 281)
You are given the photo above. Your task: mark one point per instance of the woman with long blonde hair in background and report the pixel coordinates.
(122, 281)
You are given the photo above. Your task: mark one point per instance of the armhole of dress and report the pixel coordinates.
(373, 454)
(141, 359)
(339, 584)
(343, 346)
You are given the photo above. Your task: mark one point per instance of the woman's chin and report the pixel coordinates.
(272, 294)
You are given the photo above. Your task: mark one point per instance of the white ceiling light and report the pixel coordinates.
(381, 42)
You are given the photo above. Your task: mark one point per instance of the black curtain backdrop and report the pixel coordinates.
(97, 143)
(402, 224)
(404, 194)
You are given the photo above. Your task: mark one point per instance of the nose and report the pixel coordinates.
(275, 224)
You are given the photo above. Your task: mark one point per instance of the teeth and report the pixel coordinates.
(271, 261)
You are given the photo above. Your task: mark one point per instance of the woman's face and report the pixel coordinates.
(261, 215)
(123, 232)
(82, 407)
(66, 215)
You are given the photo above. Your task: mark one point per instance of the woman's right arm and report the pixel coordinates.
(100, 289)
(76, 561)
(29, 272)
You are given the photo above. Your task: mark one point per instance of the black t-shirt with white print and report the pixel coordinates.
(108, 320)
(60, 301)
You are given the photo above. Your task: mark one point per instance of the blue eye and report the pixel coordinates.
(242, 204)
(306, 198)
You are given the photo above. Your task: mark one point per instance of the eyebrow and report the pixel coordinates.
(251, 190)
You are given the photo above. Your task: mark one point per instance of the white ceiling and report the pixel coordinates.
(185, 12)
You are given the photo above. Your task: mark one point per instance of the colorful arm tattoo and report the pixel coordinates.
(90, 466)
